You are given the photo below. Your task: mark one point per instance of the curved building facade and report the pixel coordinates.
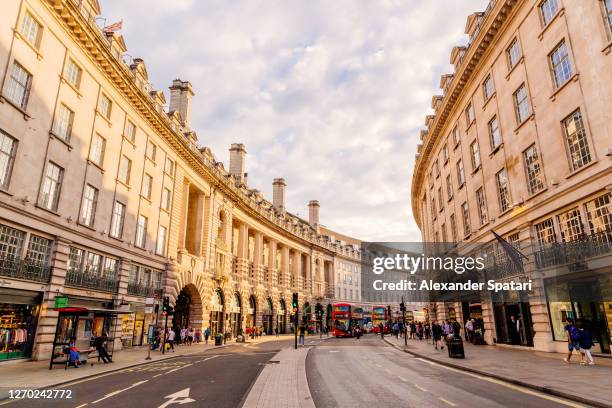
(520, 143)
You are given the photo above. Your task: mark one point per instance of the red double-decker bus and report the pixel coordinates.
(341, 318)
(379, 315)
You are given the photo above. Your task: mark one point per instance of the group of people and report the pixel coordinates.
(175, 336)
(579, 338)
(98, 345)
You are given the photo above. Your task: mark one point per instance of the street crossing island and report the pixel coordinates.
(430, 285)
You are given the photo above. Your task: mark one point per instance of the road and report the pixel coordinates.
(215, 378)
(368, 372)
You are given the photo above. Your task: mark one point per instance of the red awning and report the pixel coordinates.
(86, 310)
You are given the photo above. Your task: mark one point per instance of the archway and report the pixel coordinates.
(267, 316)
(234, 311)
(251, 312)
(216, 312)
(281, 317)
(188, 308)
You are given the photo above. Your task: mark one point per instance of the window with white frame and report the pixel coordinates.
(449, 186)
(560, 64)
(93, 263)
(98, 147)
(465, 211)
(456, 135)
(19, 84)
(110, 268)
(125, 169)
(62, 125)
(88, 206)
(51, 186)
(73, 73)
(169, 167)
(165, 199)
(494, 133)
(130, 130)
(548, 9)
(151, 150)
(8, 149)
(106, 106)
(521, 104)
(545, 232)
(460, 173)
(117, 219)
(576, 141)
(503, 190)
(39, 249)
(607, 6)
(31, 29)
(599, 215)
(513, 53)
(533, 170)
(445, 153)
(147, 183)
(487, 87)
(75, 260)
(570, 225)
(469, 114)
(475, 155)
(141, 231)
(482, 206)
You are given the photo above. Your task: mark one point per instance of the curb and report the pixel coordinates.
(5, 401)
(543, 389)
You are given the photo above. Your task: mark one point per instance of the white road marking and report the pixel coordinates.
(402, 378)
(112, 394)
(452, 404)
(420, 388)
(157, 375)
(518, 388)
(388, 371)
(178, 368)
(334, 351)
(378, 365)
(82, 405)
(180, 397)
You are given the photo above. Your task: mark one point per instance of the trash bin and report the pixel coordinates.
(455, 347)
(218, 339)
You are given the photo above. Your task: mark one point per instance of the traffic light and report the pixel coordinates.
(319, 310)
(166, 304)
(294, 304)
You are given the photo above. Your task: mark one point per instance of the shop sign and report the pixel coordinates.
(61, 301)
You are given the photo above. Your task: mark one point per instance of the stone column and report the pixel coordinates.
(297, 271)
(308, 274)
(258, 256)
(185, 212)
(272, 271)
(285, 272)
(47, 318)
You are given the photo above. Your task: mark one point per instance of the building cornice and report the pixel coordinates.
(95, 46)
(492, 20)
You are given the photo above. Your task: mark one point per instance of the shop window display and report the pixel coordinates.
(17, 323)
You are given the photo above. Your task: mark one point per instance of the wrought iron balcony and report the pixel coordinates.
(574, 252)
(139, 289)
(25, 269)
(89, 280)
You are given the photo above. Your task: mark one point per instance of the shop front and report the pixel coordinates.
(234, 314)
(513, 324)
(266, 317)
(251, 312)
(586, 301)
(18, 319)
(281, 317)
(216, 313)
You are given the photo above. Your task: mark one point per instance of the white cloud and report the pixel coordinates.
(329, 95)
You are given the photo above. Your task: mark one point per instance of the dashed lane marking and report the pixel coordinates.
(452, 404)
(82, 405)
(420, 388)
(178, 368)
(334, 351)
(112, 394)
(157, 375)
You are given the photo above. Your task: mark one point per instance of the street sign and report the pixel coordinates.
(61, 301)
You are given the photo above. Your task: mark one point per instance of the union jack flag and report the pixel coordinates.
(113, 27)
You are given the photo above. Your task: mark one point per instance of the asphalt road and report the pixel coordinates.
(370, 373)
(215, 378)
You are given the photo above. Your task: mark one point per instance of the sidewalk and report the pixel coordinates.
(20, 374)
(282, 383)
(546, 372)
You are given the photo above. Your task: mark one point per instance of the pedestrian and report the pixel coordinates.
(469, 330)
(302, 333)
(74, 355)
(427, 332)
(170, 336)
(198, 335)
(573, 338)
(515, 330)
(586, 342)
(190, 336)
(436, 332)
(396, 329)
(206, 335)
(183, 335)
(382, 330)
(98, 344)
(276, 331)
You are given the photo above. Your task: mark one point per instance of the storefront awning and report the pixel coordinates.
(88, 310)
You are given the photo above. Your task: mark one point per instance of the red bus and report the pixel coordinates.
(341, 318)
(379, 315)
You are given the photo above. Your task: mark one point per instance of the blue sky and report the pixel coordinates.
(329, 95)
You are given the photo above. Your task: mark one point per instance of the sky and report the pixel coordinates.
(329, 95)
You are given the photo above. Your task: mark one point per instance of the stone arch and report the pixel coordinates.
(188, 307)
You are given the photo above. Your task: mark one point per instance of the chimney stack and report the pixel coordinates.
(236, 164)
(180, 100)
(278, 194)
(313, 214)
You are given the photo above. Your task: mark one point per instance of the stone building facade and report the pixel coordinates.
(520, 143)
(108, 204)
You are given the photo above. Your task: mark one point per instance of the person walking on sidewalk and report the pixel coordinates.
(170, 336)
(436, 332)
(98, 344)
(396, 329)
(206, 335)
(586, 342)
(276, 331)
(573, 339)
(469, 330)
(302, 333)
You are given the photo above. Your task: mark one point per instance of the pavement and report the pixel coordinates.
(367, 372)
(541, 371)
(24, 374)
